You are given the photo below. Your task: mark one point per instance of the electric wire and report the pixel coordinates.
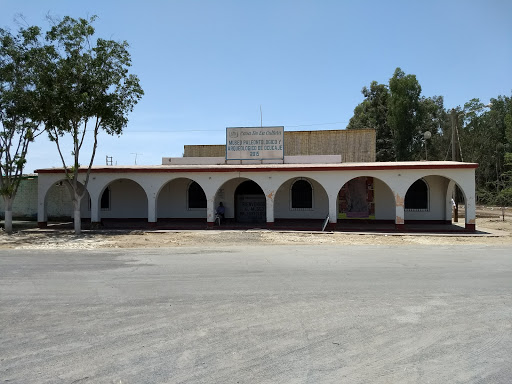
(222, 130)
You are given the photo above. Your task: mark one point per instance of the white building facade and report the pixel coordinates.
(300, 189)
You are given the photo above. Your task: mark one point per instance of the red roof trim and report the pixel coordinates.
(269, 169)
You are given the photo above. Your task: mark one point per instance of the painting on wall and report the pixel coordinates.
(356, 199)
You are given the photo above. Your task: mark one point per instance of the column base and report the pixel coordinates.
(95, 224)
(152, 224)
(270, 224)
(209, 224)
(399, 227)
(470, 227)
(331, 226)
(42, 224)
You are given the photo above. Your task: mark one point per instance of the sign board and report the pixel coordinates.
(255, 143)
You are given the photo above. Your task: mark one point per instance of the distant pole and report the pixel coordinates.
(136, 154)
(455, 140)
(426, 137)
(261, 117)
(455, 137)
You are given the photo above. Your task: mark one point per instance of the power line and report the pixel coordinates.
(222, 130)
(312, 125)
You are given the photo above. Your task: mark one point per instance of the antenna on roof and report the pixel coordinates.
(136, 154)
(261, 117)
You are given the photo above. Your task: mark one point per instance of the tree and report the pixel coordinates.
(20, 57)
(87, 87)
(484, 140)
(433, 118)
(373, 113)
(400, 117)
(404, 113)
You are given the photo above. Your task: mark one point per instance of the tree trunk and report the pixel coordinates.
(77, 217)
(8, 215)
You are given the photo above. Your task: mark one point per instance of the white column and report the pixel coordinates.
(151, 208)
(210, 210)
(469, 193)
(42, 190)
(333, 208)
(448, 201)
(95, 208)
(399, 208)
(42, 215)
(270, 207)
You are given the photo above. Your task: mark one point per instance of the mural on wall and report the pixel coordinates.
(356, 199)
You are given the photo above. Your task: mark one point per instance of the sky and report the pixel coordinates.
(207, 65)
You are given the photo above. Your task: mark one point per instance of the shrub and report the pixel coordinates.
(504, 198)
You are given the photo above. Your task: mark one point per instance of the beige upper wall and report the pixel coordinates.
(357, 145)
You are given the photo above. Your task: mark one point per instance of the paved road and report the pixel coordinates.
(276, 314)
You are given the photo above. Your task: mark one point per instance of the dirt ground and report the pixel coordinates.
(489, 221)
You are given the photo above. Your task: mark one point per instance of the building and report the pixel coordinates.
(273, 179)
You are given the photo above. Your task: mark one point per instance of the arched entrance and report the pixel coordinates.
(366, 198)
(429, 200)
(250, 203)
(127, 200)
(181, 198)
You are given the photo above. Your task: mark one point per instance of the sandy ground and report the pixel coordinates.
(489, 220)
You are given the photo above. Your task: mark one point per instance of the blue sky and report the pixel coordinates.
(208, 65)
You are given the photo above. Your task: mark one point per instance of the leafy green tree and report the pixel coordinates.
(373, 113)
(88, 87)
(401, 117)
(504, 197)
(499, 119)
(433, 118)
(404, 113)
(484, 140)
(20, 57)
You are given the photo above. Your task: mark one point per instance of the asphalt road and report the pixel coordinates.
(273, 314)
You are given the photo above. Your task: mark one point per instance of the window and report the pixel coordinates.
(416, 198)
(105, 200)
(302, 195)
(196, 196)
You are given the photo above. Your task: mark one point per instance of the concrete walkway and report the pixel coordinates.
(454, 229)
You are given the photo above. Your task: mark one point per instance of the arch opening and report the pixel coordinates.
(250, 203)
(417, 196)
(356, 199)
(59, 203)
(123, 199)
(431, 199)
(181, 198)
(300, 199)
(302, 194)
(366, 198)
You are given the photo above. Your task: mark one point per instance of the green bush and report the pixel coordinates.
(504, 198)
(485, 197)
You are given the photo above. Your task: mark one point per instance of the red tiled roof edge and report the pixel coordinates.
(307, 168)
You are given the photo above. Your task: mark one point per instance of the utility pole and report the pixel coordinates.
(455, 146)
(455, 136)
(456, 155)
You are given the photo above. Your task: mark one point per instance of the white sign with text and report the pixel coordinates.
(255, 143)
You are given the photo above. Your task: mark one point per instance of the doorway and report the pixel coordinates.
(250, 203)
